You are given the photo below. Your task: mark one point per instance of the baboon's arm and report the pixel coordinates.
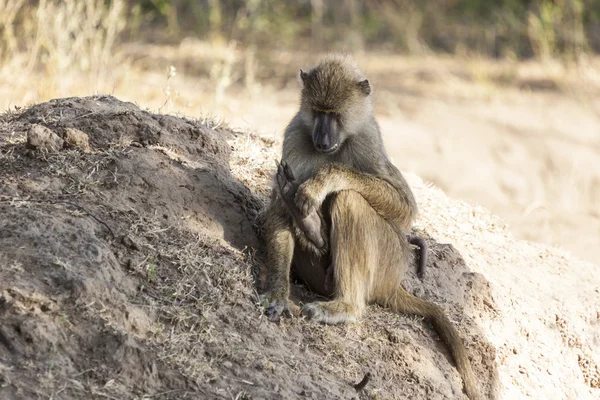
(390, 201)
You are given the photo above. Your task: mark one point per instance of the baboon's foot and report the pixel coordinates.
(288, 186)
(275, 308)
(330, 312)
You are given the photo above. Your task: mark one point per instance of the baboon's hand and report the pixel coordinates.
(275, 308)
(307, 198)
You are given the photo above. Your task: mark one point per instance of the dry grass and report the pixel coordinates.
(57, 47)
(196, 275)
(253, 161)
(186, 278)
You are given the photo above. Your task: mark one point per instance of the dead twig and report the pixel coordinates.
(70, 203)
(361, 385)
(6, 341)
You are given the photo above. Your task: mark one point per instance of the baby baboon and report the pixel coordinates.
(347, 189)
(311, 230)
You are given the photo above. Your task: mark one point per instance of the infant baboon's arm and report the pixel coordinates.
(312, 224)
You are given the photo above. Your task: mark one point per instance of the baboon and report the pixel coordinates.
(314, 229)
(348, 207)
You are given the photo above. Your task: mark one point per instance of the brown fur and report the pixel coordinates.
(364, 206)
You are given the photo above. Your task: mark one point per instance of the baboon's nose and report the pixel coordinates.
(323, 145)
(326, 147)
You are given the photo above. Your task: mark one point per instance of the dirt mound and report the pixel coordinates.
(126, 271)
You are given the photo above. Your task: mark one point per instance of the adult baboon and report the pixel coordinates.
(344, 182)
(313, 228)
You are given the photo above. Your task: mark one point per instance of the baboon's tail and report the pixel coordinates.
(404, 302)
(422, 244)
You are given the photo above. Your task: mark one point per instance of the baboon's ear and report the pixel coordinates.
(304, 76)
(365, 87)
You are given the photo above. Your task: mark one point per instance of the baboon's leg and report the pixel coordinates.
(280, 244)
(361, 242)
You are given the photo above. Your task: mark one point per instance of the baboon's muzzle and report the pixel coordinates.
(325, 133)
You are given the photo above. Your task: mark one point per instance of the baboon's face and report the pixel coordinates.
(334, 105)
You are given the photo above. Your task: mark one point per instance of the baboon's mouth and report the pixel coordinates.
(330, 150)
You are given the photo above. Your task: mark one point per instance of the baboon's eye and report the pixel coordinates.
(316, 112)
(335, 116)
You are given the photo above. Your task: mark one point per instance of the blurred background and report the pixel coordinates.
(497, 103)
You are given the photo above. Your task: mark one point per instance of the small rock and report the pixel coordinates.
(77, 139)
(392, 336)
(228, 364)
(41, 138)
(130, 242)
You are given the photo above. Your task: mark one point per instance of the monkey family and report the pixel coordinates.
(340, 212)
